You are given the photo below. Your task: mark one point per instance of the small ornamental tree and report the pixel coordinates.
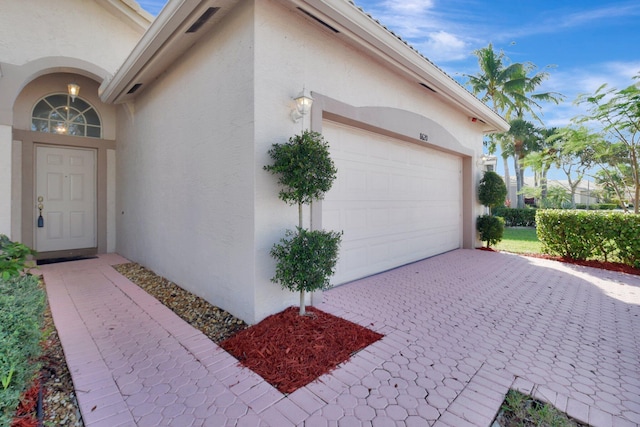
(305, 258)
(492, 190)
(491, 229)
(492, 193)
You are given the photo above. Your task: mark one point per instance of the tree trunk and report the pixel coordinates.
(519, 182)
(507, 177)
(543, 184)
(303, 310)
(302, 306)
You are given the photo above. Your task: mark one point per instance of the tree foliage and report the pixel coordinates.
(492, 190)
(491, 229)
(618, 113)
(306, 259)
(304, 167)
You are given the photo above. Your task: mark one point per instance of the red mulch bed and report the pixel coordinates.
(26, 412)
(290, 351)
(604, 265)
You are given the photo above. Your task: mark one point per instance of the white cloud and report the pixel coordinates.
(408, 7)
(444, 46)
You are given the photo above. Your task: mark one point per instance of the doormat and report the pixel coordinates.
(66, 259)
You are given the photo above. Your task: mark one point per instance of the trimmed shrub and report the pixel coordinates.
(492, 190)
(306, 259)
(13, 257)
(514, 217)
(581, 235)
(22, 304)
(491, 229)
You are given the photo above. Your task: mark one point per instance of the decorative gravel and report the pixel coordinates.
(214, 322)
(60, 406)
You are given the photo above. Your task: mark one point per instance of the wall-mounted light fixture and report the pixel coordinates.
(304, 101)
(74, 90)
(61, 128)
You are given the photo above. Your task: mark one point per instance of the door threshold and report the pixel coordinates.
(64, 259)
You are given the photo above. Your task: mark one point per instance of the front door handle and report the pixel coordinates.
(40, 207)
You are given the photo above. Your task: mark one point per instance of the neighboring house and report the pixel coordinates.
(189, 108)
(586, 191)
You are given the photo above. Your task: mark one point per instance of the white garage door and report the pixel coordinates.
(396, 202)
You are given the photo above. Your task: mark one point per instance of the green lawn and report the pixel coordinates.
(521, 240)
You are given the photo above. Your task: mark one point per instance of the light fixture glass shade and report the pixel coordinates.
(304, 101)
(74, 90)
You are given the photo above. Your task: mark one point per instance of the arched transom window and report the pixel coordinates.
(60, 114)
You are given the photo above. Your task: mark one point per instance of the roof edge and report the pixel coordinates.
(153, 39)
(134, 15)
(381, 42)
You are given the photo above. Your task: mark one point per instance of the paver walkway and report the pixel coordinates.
(460, 330)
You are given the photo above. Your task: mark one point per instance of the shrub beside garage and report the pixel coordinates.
(584, 235)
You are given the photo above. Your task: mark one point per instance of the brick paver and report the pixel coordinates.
(460, 330)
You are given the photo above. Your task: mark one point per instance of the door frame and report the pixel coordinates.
(29, 140)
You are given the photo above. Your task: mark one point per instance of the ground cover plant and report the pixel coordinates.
(520, 410)
(22, 300)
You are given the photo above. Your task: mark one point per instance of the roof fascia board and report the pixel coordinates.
(379, 41)
(166, 23)
(135, 16)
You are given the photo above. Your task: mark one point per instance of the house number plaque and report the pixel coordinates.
(424, 137)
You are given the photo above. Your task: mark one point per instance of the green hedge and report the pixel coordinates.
(22, 304)
(597, 206)
(610, 236)
(514, 217)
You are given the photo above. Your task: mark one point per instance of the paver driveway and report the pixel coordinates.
(460, 329)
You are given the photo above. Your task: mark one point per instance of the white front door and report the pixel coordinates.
(66, 191)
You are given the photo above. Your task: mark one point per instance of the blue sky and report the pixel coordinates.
(586, 43)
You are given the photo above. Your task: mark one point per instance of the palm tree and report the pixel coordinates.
(545, 155)
(494, 81)
(495, 84)
(523, 100)
(509, 88)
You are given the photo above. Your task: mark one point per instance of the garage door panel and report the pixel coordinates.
(396, 202)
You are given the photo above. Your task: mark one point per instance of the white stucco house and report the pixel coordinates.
(160, 156)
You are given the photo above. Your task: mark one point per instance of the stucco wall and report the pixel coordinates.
(185, 189)
(69, 28)
(193, 201)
